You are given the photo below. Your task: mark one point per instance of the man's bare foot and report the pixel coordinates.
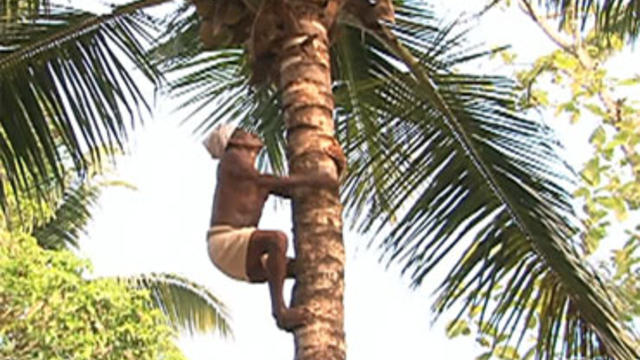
(289, 319)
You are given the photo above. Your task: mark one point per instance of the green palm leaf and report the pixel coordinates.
(187, 305)
(221, 76)
(462, 163)
(180, 41)
(69, 219)
(620, 17)
(65, 79)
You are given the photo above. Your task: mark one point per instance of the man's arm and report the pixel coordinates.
(276, 185)
(282, 185)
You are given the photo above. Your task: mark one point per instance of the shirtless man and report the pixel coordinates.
(236, 247)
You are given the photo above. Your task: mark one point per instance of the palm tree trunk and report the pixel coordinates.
(305, 81)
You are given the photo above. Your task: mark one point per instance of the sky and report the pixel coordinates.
(161, 226)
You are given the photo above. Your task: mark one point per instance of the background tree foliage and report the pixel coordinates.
(574, 83)
(50, 310)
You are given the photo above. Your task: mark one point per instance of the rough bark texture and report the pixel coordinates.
(305, 81)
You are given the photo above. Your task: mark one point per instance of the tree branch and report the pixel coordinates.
(577, 49)
(554, 35)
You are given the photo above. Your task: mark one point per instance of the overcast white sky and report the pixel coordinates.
(161, 227)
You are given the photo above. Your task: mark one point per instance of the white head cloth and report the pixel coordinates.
(216, 142)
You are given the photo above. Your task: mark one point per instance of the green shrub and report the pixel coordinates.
(49, 310)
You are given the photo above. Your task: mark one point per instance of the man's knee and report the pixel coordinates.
(279, 242)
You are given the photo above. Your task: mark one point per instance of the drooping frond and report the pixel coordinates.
(215, 86)
(441, 154)
(216, 89)
(621, 17)
(65, 79)
(187, 305)
(69, 219)
(180, 41)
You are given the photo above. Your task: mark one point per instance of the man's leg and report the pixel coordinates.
(273, 270)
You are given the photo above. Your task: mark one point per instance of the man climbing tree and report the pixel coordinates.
(236, 247)
(438, 156)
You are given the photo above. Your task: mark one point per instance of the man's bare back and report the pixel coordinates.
(239, 199)
(241, 192)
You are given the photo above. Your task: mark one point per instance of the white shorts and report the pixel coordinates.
(228, 249)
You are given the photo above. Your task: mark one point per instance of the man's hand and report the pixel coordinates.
(335, 152)
(283, 186)
(323, 181)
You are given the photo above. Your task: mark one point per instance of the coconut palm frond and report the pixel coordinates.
(180, 41)
(216, 88)
(441, 155)
(614, 17)
(65, 79)
(69, 219)
(213, 88)
(187, 305)
(621, 17)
